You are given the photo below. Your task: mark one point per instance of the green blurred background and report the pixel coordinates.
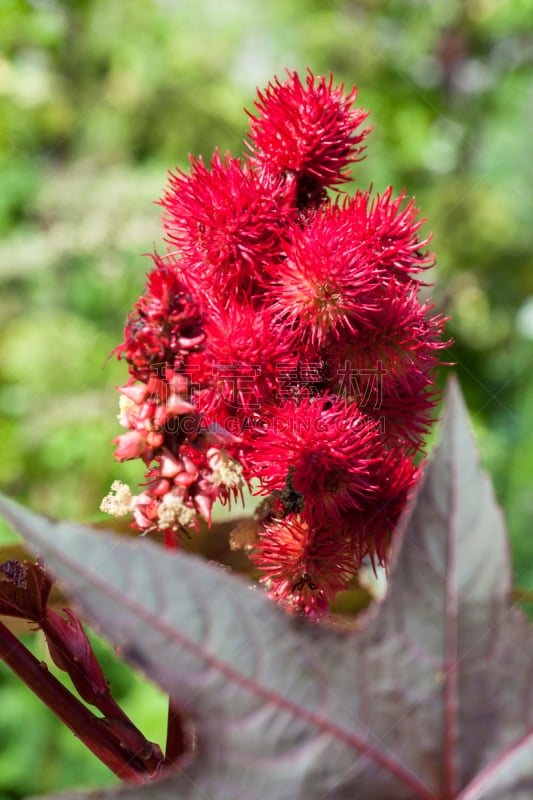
(98, 98)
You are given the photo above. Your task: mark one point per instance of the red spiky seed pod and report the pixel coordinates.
(306, 134)
(325, 445)
(328, 285)
(225, 222)
(304, 566)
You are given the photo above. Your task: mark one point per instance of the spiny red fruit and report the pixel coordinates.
(225, 223)
(369, 527)
(304, 566)
(328, 285)
(281, 342)
(306, 134)
(388, 233)
(387, 367)
(165, 325)
(325, 445)
(248, 351)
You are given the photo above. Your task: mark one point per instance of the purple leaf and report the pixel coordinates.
(430, 698)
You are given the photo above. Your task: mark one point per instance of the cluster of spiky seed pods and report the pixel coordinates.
(280, 343)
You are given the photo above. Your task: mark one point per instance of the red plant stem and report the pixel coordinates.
(176, 741)
(171, 540)
(104, 702)
(117, 721)
(176, 744)
(83, 723)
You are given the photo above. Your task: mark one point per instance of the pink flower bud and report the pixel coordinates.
(176, 406)
(184, 479)
(136, 393)
(176, 381)
(189, 465)
(204, 504)
(130, 445)
(169, 464)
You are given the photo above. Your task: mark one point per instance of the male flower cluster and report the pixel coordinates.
(280, 343)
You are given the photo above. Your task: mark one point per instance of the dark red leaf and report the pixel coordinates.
(24, 590)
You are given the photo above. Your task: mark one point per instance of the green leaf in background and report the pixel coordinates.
(7, 536)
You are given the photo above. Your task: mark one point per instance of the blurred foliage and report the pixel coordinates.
(98, 98)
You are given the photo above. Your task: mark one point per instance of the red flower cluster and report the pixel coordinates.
(281, 343)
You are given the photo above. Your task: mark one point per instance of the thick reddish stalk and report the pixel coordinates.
(116, 719)
(176, 741)
(91, 730)
(176, 744)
